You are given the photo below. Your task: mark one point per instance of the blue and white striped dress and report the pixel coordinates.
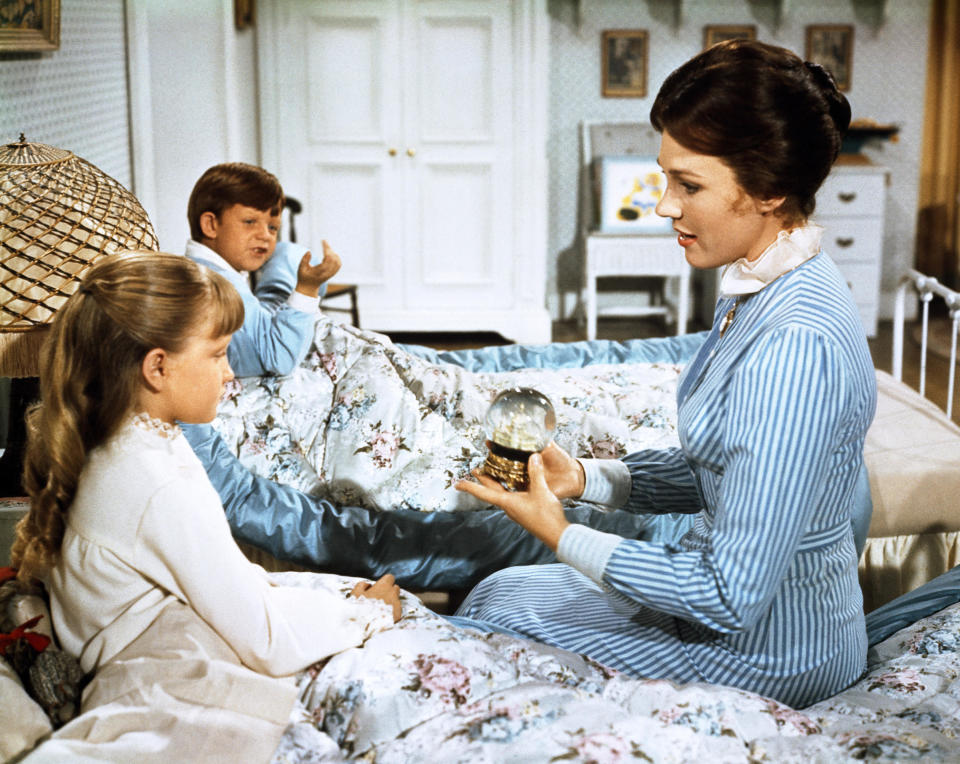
(762, 592)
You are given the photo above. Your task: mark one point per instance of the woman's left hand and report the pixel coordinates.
(536, 509)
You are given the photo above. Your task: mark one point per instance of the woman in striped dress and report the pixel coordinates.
(762, 592)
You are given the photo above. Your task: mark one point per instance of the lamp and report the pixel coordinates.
(520, 422)
(58, 215)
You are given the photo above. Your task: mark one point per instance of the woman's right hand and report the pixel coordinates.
(563, 473)
(384, 589)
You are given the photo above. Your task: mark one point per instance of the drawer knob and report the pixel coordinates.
(847, 196)
(845, 242)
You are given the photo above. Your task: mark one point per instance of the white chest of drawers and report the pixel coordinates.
(850, 207)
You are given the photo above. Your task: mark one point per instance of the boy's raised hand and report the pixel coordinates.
(311, 277)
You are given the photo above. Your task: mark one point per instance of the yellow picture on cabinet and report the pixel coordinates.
(631, 188)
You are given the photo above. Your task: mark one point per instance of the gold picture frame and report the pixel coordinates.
(831, 46)
(624, 54)
(715, 33)
(28, 26)
(244, 13)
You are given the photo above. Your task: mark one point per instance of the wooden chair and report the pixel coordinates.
(334, 290)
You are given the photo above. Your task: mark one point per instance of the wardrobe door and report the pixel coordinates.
(414, 133)
(340, 118)
(459, 150)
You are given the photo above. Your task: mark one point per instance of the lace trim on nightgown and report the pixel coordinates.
(150, 424)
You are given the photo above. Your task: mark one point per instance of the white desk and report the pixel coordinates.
(635, 255)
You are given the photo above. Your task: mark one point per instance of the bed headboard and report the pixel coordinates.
(926, 288)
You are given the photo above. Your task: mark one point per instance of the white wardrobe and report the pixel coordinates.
(414, 134)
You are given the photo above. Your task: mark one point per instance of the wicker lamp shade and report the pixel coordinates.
(58, 215)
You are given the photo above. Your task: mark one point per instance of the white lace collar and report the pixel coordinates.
(143, 421)
(792, 248)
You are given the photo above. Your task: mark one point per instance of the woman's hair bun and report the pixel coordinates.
(837, 101)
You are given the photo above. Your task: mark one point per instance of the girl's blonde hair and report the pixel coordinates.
(127, 305)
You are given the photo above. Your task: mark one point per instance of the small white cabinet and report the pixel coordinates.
(850, 207)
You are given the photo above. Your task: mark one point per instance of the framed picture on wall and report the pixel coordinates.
(720, 32)
(29, 25)
(244, 13)
(831, 46)
(624, 56)
(630, 188)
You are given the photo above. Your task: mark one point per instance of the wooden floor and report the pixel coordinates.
(632, 328)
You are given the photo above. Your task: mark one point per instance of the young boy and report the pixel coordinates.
(235, 216)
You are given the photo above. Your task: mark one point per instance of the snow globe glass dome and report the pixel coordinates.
(521, 421)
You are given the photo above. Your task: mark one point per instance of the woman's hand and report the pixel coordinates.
(563, 473)
(384, 589)
(536, 509)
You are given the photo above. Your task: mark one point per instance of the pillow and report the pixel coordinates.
(912, 452)
(22, 721)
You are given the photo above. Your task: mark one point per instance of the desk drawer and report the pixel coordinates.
(851, 194)
(852, 239)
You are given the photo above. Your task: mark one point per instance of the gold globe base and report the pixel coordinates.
(511, 473)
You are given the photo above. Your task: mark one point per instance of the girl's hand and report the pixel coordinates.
(536, 509)
(384, 589)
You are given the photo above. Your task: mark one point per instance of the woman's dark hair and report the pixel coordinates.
(776, 121)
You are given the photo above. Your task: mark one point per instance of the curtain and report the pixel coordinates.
(938, 221)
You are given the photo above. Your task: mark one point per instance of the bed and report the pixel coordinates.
(912, 453)
(377, 434)
(433, 690)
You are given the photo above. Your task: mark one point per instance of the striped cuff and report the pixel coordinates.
(606, 481)
(587, 550)
(303, 303)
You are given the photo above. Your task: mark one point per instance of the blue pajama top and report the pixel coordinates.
(762, 593)
(278, 322)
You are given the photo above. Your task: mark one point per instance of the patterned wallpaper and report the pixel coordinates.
(74, 98)
(888, 76)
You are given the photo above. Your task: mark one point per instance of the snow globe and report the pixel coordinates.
(521, 421)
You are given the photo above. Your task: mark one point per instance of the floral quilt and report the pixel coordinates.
(431, 691)
(362, 422)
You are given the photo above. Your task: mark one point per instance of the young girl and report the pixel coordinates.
(762, 593)
(146, 584)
